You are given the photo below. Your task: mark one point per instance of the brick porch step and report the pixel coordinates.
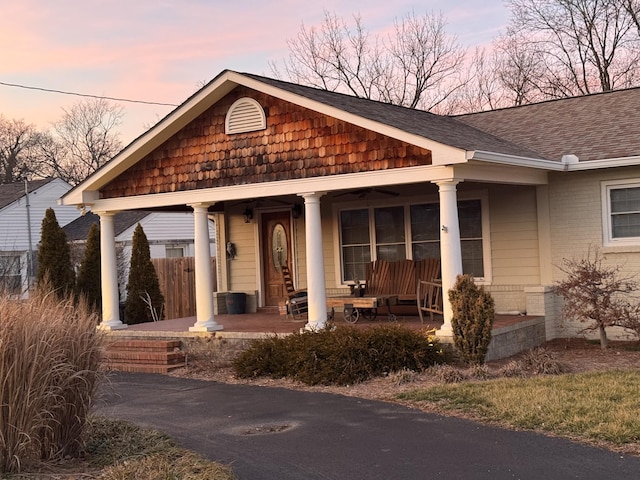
(144, 356)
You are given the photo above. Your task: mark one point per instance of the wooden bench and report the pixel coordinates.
(405, 280)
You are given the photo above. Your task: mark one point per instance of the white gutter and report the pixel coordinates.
(515, 161)
(606, 163)
(568, 163)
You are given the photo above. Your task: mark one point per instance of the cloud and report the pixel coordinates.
(159, 50)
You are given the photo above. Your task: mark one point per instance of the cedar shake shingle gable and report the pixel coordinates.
(439, 128)
(298, 142)
(592, 127)
(10, 192)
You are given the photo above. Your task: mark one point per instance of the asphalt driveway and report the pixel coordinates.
(278, 434)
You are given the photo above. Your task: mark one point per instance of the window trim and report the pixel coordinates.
(607, 225)
(15, 262)
(481, 195)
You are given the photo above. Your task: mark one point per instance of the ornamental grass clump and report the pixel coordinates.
(50, 353)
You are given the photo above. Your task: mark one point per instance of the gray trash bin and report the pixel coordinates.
(236, 303)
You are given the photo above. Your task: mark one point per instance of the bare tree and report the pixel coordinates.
(520, 68)
(83, 140)
(633, 10)
(18, 150)
(586, 45)
(599, 295)
(483, 89)
(417, 66)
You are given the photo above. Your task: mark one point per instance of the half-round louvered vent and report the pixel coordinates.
(245, 115)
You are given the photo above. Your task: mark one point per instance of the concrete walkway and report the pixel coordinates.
(279, 434)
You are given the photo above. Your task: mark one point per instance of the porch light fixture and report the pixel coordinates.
(248, 215)
(296, 212)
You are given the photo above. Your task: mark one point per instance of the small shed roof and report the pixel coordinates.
(79, 228)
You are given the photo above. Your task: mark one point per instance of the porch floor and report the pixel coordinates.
(267, 323)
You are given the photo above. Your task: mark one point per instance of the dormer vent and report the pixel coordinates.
(245, 115)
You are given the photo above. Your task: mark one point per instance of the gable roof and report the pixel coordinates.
(534, 135)
(439, 128)
(593, 127)
(11, 192)
(79, 228)
(451, 138)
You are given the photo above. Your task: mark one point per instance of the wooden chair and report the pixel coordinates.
(297, 302)
(429, 296)
(429, 288)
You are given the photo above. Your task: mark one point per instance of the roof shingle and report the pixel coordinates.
(10, 192)
(442, 129)
(79, 228)
(592, 127)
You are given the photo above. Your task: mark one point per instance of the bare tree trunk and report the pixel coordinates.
(604, 342)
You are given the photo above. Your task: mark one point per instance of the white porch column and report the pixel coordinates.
(316, 293)
(450, 249)
(109, 275)
(204, 286)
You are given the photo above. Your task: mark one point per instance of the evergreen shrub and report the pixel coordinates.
(339, 355)
(472, 322)
(88, 283)
(55, 270)
(142, 284)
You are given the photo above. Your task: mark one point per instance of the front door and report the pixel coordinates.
(276, 251)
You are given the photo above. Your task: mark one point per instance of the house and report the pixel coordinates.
(22, 208)
(170, 235)
(324, 183)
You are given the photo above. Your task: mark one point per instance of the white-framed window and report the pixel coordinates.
(408, 231)
(10, 274)
(621, 212)
(175, 251)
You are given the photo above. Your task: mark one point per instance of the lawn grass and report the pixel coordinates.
(119, 450)
(596, 407)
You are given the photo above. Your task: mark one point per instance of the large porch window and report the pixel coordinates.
(381, 233)
(356, 243)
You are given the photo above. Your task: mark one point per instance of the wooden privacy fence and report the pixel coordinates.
(177, 279)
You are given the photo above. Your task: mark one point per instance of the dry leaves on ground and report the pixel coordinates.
(574, 355)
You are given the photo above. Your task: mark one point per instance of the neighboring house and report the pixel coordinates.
(170, 235)
(22, 208)
(328, 182)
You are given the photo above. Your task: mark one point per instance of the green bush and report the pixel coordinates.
(88, 282)
(50, 353)
(143, 285)
(55, 270)
(340, 355)
(472, 322)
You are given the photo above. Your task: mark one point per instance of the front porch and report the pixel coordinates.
(511, 333)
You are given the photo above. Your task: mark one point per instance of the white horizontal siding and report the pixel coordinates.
(168, 228)
(14, 234)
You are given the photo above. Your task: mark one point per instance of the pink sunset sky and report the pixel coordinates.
(164, 50)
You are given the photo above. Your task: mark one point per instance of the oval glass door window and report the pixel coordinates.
(279, 246)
